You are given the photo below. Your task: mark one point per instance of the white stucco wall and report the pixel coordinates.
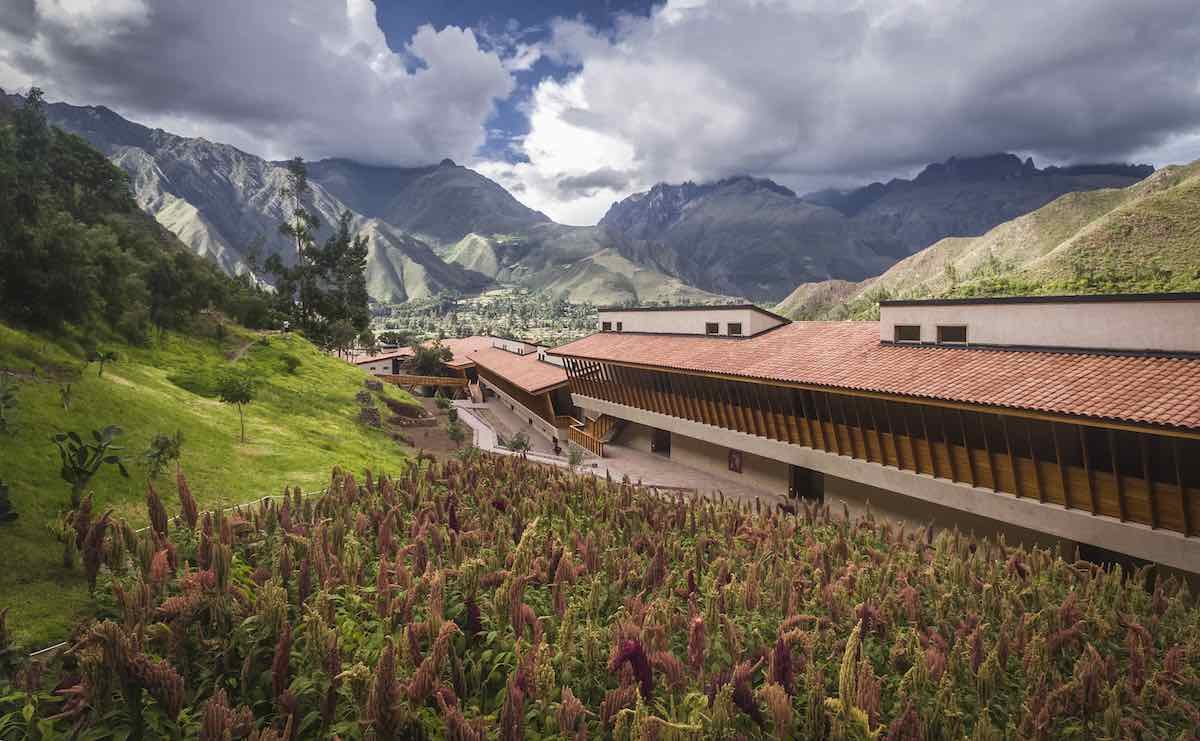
(1119, 325)
(688, 321)
(1162, 546)
(378, 368)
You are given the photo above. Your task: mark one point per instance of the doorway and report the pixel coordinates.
(806, 484)
(660, 442)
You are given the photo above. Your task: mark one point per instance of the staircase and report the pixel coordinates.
(604, 428)
(475, 392)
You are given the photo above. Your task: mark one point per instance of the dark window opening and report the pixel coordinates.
(952, 333)
(735, 328)
(620, 326)
(712, 328)
(660, 442)
(908, 333)
(807, 484)
(606, 326)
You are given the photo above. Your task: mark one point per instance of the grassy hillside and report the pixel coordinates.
(1142, 238)
(301, 423)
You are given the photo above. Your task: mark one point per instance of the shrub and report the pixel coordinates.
(491, 593)
(103, 357)
(163, 449)
(291, 363)
(7, 512)
(456, 432)
(81, 460)
(8, 404)
(452, 415)
(441, 402)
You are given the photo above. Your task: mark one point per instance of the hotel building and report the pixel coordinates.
(1062, 421)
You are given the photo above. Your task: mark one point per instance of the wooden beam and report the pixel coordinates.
(962, 428)
(1062, 468)
(1149, 478)
(1112, 451)
(1087, 469)
(987, 448)
(1183, 500)
(1012, 460)
(892, 431)
(812, 435)
(837, 442)
(1037, 466)
(949, 450)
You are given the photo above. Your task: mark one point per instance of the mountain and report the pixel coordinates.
(224, 203)
(754, 237)
(446, 229)
(1140, 238)
(439, 204)
(438, 229)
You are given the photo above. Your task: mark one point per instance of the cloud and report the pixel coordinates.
(275, 77)
(605, 177)
(811, 92)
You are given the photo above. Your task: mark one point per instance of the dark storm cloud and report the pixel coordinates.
(274, 76)
(605, 177)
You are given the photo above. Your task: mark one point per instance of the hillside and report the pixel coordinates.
(1144, 237)
(299, 424)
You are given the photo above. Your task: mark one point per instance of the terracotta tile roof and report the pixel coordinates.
(1146, 389)
(462, 347)
(526, 371)
(360, 359)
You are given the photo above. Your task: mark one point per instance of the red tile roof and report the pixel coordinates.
(1145, 389)
(527, 371)
(462, 347)
(360, 359)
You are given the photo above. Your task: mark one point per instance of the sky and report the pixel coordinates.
(574, 104)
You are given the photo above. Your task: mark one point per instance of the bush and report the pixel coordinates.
(7, 513)
(442, 402)
(549, 605)
(291, 363)
(163, 449)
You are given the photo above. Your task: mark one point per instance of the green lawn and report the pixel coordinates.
(299, 426)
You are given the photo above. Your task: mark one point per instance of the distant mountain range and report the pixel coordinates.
(756, 238)
(1142, 238)
(445, 228)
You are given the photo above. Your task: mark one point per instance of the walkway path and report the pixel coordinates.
(647, 468)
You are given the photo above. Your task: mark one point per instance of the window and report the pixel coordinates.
(908, 333)
(606, 326)
(712, 328)
(620, 326)
(735, 328)
(952, 334)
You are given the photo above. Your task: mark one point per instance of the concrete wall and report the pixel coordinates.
(513, 346)
(379, 367)
(544, 428)
(1118, 325)
(1004, 510)
(688, 321)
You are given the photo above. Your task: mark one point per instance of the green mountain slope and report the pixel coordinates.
(299, 424)
(1145, 237)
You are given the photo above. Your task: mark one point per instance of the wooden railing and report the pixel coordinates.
(411, 380)
(566, 421)
(601, 426)
(580, 437)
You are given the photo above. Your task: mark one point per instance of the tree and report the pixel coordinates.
(395, 339)
(237, 389)
(163, 449)
(102, 357)
(82, 460)
(427, 360)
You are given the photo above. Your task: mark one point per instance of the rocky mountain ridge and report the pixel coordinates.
(444, 228)
(749, 236)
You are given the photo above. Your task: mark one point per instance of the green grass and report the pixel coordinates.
(299, 425)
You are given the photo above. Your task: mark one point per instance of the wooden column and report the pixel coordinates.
(1112, 451)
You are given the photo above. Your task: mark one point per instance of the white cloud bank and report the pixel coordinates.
(812, 92)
